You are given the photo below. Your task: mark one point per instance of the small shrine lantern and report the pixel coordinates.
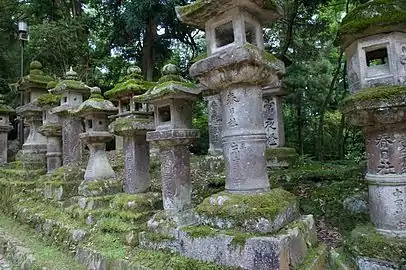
(95, 112)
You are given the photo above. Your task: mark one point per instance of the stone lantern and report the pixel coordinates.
(374, 37)
(172, 98)
(33, 85)
(277, 155)
(132, 123)
(237, 67)
(5, 128)
(52, 129)
(95, 112)
(71, 91)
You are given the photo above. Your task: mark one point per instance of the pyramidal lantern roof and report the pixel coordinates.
(170, 85)
(132, 84)
(35, 78)
(200, 12)
(96, 104)
(372, 18)
(70, 83)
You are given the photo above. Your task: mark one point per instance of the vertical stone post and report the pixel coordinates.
(237, 67)
(71, 91)
(276, 154)
(5, 128)
(172, 98)
(52, 129)
(95, 112)
(375, 57)
(132, 126)
(215, 125)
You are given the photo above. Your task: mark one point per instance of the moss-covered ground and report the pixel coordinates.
(111, 227)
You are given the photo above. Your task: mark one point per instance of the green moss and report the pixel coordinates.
(158, 237)
(373, 95)
(97, 97)
(116, 225)
(373, 14)
(199, 57)
(365, 241)
(128, 88)
(70, 84)
(316, 259)
(166, 88)
(266, 55)
(48, 100)
(108, 244)
(241, 208)
(52, 84)
(46, 256)
(138, 202)
(161, 260)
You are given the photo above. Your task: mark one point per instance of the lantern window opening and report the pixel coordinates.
(65, 99)
(164, 114)
(224, 34)
(89, 124)
(250, 32)
(377, 57)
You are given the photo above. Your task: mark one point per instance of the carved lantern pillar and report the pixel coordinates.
(132, 124)
(71, 91)
(172, 98)
(35, 146)
(376, 70)
(237, 67)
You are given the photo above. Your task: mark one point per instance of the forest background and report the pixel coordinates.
(101, 38)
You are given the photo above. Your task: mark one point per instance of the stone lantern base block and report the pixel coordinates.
(167, 222)
(293, 246)
(33, 157)
(281, 157)
(256, 213)
(100, 188)
(372, 250)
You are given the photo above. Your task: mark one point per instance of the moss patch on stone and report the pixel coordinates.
(241, 208)
(316, 259)
(128, 88)
(373, 14)
(167, 88)
(282, 154)
(373, 95)
(199, 57)
(365, 241)
(48, 100)
(69, 85)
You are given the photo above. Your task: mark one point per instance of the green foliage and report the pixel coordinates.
(49, 100)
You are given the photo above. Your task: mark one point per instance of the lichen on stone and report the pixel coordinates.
(36, 76)
(96, 103)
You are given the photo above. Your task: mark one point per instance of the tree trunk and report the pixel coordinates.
(299, 121)
(341, 130)
(323, 109)
(148, 50)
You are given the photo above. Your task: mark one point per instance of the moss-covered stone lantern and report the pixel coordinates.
(33, 85)
(172, 98)
(374, 37)
(132, 123)
(72, 92)
(237, 67)
(52, 129)
(95, 112)
(5, 128)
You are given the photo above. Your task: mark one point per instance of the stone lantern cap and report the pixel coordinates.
(376, 106)
(70, 83)
(132, 84)
(96, 104)
(4, 108)
(35, 78)
(49, 100)
(29, 109)
(372, 18)
(170, 86)
(201, 11)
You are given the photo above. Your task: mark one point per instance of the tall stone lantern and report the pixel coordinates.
(237, 67)
(52, 129)
(374, 38)
(172, 98)
(132, 123)
(34, 148)
(5, 128)
(71, 91)
(95, 112)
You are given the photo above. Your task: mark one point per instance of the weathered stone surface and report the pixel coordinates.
(281, 157)
(215, 125)
(72, 146)
(357, 203)
(273, 121)
(372, 264)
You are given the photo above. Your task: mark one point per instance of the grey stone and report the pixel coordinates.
(215, 125)
(357, 203)
(364, 263)
(78, 235)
